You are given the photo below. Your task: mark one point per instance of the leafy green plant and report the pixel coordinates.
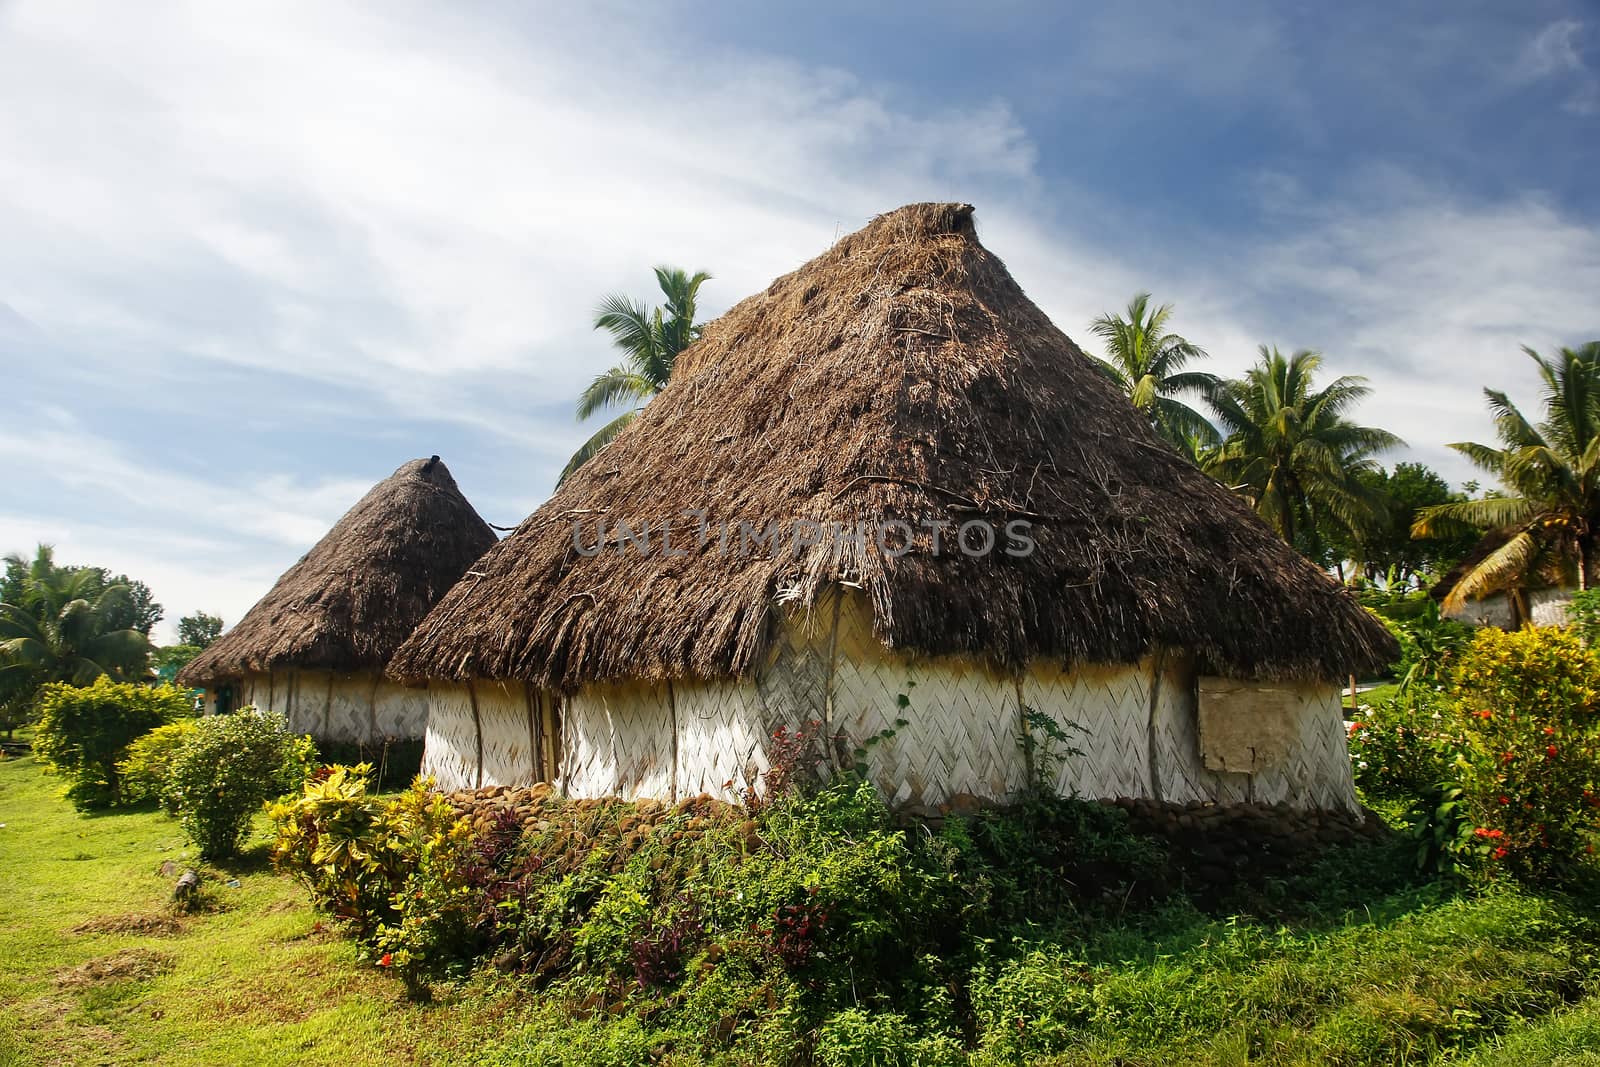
(1583, 616)
(1530, 705)
(1046, 746)
(229, 768)
(1429, 644)
(147, 769)
(85, 732)
(334, 839)
(1401, 748)
(1442, 828)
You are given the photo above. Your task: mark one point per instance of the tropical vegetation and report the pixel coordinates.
(1546, 521)
(1147, 363)
(1293, 452)
(650, 341)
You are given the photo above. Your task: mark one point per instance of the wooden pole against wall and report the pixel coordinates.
(1157, 663)
(535, 750)
(672, 709)
(477, 729)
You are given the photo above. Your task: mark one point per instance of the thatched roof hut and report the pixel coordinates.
(1537, 595)
(900, 381)
(316, 645)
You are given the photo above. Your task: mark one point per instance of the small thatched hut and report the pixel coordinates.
(314, 648)
(804, 460)
(1533, 591)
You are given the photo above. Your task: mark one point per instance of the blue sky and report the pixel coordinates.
(255, 256)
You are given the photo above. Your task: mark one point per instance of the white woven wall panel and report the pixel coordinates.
(349, 715)
(399, 712)
(589, 757)
(1112, 705)
(961, 723)
(1183, 774)
(722, 738)
(507, 754)
(449, 750)
(793, 684)
(1317, 772)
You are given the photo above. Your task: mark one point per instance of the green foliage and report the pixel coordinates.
(147, 770)
(1146, 362)
(1502, 759)
(858, 1038)
(1530, 704)
(1429, 645)
(650, 342)
(1404, 747)
(1386, 549)
(1583, 616)
(69, 625)
(1552, 470)
(1291, 449)
(1443, 832)
(84, 732)
(168, 660)
(199, 629)
(229, 768)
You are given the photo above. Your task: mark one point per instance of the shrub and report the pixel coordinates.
(148, 767)
(1429, 645)
(333, 838)
(858, 1038)
(1402, 748)
(229, 768)
(1529, 703)
(85, 732)
(1583, 616)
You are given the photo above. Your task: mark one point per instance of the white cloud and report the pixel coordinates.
(1554, 52)
(411, 211)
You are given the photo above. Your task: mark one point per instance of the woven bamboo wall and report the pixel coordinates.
(723, 728)
(356, 708)
(449, 751)
(1136, 727)
(507, 733)
(962, 720)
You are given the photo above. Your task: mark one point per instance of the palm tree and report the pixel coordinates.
(59, 630)
(1147, 364)
(1291, 450)
(650, 342)
(1549, 518)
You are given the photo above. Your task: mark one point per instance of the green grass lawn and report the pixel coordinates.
(96, 967)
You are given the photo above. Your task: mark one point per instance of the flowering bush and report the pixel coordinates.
(1404, 747)
(228, 769)
(1529, 705)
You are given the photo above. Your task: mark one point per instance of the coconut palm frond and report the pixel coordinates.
(1501, 569)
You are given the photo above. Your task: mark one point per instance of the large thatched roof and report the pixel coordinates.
(352, 599)
(903, 374)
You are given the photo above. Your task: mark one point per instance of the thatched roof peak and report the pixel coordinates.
(350, 601)
(902, 377)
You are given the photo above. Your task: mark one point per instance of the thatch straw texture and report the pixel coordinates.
(350, 601)
(901, 375)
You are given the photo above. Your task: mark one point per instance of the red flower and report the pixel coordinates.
(1355, 726)
(1550, 750)
(1505, 800)
(1485, 714)
(386, 959)
(1549, 731)
(1501, 853)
